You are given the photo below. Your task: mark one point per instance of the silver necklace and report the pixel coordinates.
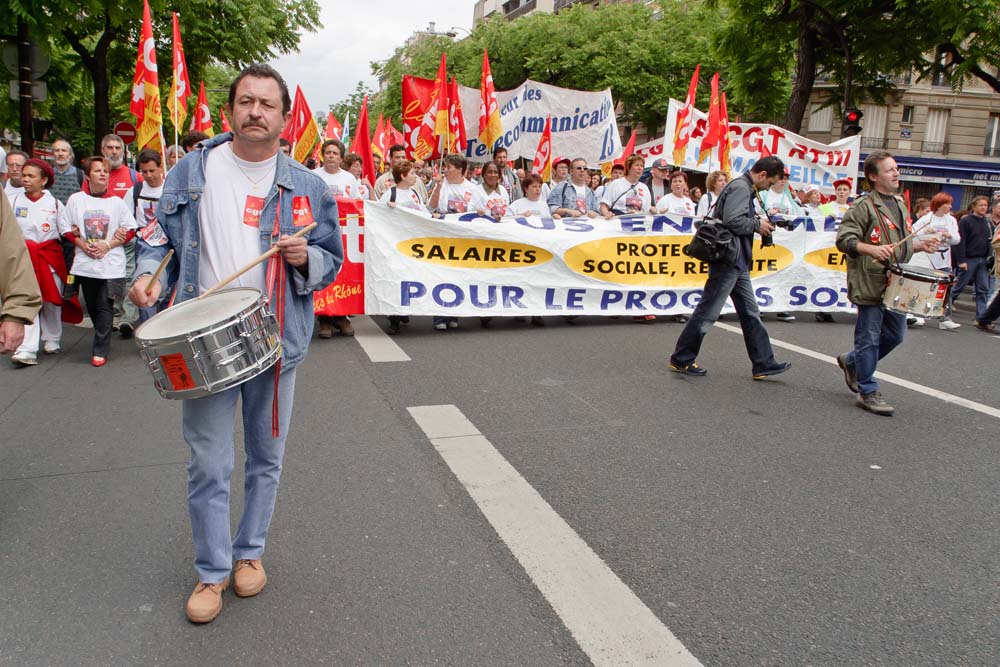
(253, 183)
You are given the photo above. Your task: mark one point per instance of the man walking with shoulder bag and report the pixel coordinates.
(735, 209)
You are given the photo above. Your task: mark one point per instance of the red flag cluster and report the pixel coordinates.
(717, 128)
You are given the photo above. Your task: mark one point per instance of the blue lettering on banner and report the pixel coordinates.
(410, 290)
(574, 297)
(657, 300)
(692, 299)
(610, 297)
(764, 298)
(438, 295)
(660, 222)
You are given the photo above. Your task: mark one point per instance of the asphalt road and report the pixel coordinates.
(762, 523)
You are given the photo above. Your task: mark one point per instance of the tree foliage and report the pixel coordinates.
(95, 42)
(644, 53)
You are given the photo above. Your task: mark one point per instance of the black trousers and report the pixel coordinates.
(100, 307)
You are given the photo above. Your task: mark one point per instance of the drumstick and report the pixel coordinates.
(915, 232)
(262, 258)
(158, 272)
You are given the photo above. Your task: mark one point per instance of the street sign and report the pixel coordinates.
(39, 90)
(126, 131)
(39, 59)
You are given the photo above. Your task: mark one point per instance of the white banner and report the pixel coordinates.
(466, 265)
(809, 162)
(583, 123)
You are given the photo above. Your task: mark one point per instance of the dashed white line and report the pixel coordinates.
(608, 621)
(375, 342)
(884, 377)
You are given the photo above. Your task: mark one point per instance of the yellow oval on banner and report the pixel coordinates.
(770, 260)
(657, 261)
(473, 253)
(828, 258)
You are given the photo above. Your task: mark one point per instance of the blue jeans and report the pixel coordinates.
(877, 332)
(976, 274)
(208, 425)
(723, 282)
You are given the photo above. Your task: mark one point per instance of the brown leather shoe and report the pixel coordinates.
(248, 578)
(325, 330)
(205, 602)
(343, 325)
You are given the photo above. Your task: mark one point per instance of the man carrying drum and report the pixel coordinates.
(221, 207)
(874, 233)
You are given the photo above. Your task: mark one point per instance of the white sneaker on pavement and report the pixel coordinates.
(948, 325)
(51, 347)
(23, 359)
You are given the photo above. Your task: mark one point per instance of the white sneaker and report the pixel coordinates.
(914, 321)
(51, 347)
(948, 325)
(441, 326)
(24, 359)
(452, 324)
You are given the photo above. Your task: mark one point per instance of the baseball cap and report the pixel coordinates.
(660, 163)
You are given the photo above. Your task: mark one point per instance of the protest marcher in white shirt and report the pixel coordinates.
(42, 219)
(531, 203)
(341, 182)
(714, 184)
(397, 153)
(15, 161)
(939, 223)
(812, 200)
(99, 264)
(356, 165)
(658, 180)
(573, 197)
(509, 179)
(402, 193)
(494, 196)
(141, 200)
(676, 202)
(627, 195)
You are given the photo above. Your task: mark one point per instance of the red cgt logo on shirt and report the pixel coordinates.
(252, 210)
(302, 214)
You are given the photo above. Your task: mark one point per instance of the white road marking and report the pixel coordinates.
(884, 377)
(375, 342)
(609, 622)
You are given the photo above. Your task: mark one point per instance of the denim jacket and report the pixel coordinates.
(177, 213)
(564, 196)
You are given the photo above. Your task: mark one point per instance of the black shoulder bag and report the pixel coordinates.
(712, 242)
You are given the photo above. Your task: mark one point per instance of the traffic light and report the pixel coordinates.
(852, 122)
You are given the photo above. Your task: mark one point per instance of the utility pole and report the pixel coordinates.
(24, 81)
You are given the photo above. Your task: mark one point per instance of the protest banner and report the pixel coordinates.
(583, 123)
(809, 162)
(467, 265)
(346, 296)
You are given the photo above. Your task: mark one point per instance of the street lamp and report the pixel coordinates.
(451, 31)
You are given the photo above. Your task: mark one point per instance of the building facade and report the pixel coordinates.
(943, 140)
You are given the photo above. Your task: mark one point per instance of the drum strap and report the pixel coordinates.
(275, 281)
(885, 225)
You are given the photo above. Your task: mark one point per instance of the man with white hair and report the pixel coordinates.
(68, 179)
(123, 178)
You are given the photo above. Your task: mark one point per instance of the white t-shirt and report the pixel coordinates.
(658, 192)
(459, 197)
(781, 201)
(145, 213)
(705, 204)
(230, 218)
(495, 203)
(933, 225)
(42, 220)
(11, 191)
(525, 206)
(621, 195)
(671, 203)
(405, 198)
(341, 184)
(98, 218)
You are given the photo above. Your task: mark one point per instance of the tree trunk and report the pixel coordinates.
(97, 64)
(805, 72)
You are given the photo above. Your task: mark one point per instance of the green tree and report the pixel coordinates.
(103, 37)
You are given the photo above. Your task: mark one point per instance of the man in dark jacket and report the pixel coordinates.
(972, 253)
(733, 280)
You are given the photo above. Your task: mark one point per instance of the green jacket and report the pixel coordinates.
(867, 277)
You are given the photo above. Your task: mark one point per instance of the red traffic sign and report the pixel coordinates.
(126, 131)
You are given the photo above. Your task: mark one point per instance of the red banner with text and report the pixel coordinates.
(346, 296)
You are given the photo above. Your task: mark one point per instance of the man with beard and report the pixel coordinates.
(68, 179)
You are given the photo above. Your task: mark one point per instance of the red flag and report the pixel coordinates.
(305, 131)
(202, 120)
(435, 123)
(713, 127)
(226, 127)
(333, 128)
(490, 126)
(725, 164)
(629, 149)
(542, 164)
(682, 129)
(362, 144)
(378, 139)
(396, 137)
(180, 89)
(145, 104)
(456, 121)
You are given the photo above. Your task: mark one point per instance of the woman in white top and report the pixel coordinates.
(938, 222)
(495, 198)
(42, 219)
(627, 195)
(402, 194)
(676, 202)
(812, 200)
(356, 166)
(713, 188)
(532, 202)
(99, 264)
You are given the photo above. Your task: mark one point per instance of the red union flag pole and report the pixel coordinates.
(682, 131)
(542, 164)
(711, 138)
(202, 121)
(145, 104)
(490, 126)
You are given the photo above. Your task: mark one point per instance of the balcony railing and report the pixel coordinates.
(874, 142)
(993, 151)
(522, 10)
(936, 147)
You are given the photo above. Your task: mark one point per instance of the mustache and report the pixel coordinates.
(253, 123)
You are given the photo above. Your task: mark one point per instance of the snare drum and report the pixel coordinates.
(916, 290)
(204, 346)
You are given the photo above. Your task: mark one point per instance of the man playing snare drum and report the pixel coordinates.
(868, 236)
(221, 208)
